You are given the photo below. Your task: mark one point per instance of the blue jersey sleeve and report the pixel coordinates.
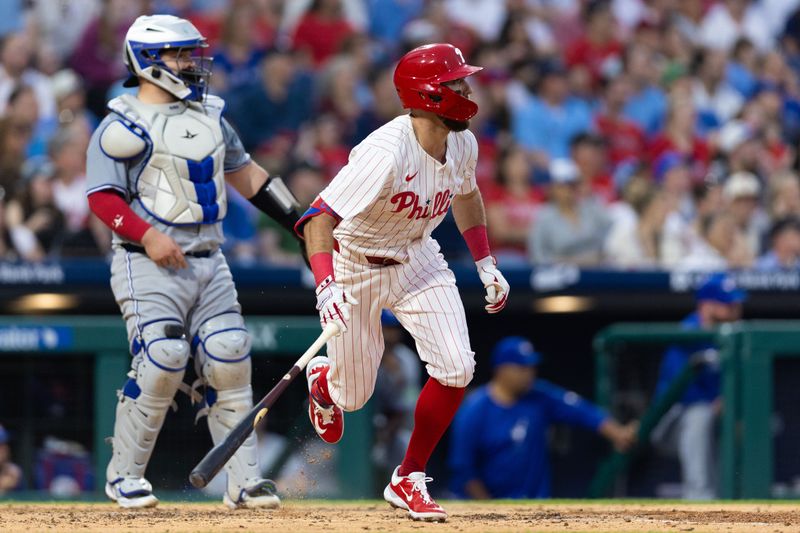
(568, 407)
(464, 441)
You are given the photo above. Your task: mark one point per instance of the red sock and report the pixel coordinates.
(319, 390)
(436, 407)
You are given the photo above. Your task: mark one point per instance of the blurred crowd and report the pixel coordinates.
(625, 133)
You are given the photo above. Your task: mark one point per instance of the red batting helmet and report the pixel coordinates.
(420, 74)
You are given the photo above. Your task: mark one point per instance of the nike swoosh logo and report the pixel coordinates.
(412, 176)
(320, 429)
(408, 497)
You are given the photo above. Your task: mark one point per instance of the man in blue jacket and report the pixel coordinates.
(688, 428)
(499, 439)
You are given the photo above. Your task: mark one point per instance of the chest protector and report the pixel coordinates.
(182, 181)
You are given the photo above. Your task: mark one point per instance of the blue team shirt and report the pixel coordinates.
(705, 387)
(505, 447)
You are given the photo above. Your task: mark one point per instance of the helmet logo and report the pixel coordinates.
(459, 54)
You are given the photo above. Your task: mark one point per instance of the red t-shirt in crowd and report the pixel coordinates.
(699, 155)
(321, 37)
(624, 138)
(593, 56)
(519, 212)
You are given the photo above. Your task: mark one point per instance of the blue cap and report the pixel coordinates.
(666, 162)
(3, 435)
(389, 320)
(720, 288)
(515, 350)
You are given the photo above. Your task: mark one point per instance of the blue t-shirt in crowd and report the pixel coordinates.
(648, 109)
(705, 387)
(549, 129)
(505, 447)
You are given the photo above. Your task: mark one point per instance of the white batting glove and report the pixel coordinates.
(495, 284)
(333, 304)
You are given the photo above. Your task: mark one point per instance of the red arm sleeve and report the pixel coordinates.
(115, 213)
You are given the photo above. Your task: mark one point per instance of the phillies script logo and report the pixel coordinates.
(406, 199)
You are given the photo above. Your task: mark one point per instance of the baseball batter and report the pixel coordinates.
(157, 169)
(369, 241)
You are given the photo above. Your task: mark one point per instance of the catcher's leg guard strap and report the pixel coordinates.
(230, 407)
(158, 369)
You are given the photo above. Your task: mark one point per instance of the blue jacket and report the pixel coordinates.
(505, 447)
(705, 388)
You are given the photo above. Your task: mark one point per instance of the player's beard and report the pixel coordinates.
(455, 125)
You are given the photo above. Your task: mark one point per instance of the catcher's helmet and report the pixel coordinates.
(420, 74)
(148, 37)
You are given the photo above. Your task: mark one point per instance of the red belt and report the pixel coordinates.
(383, 261)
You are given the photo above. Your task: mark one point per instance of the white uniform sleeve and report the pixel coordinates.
(361, 181)
(471, 153)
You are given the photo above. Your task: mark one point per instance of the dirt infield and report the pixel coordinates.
(355, 517)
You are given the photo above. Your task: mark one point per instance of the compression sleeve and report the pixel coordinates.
(115, 213)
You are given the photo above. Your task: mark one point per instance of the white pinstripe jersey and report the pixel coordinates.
(392, 194)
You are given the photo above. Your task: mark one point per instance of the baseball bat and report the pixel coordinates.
(219, 455)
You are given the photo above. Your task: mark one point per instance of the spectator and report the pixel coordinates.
(321, 31)
(396, 390)
(273, 106)
(387, 19)
(567, 229)
(70, 98)
(728, 20)
(511, 205)
(717, 249)
(83, 234)
(625, 139)
(34, 222)
(10, 473)
(647, 105)
(739, 147)
(16, 55)
(715, 100)
(23, 110)
(548, 121)
(680, 136)
(689, 428)
(784, 198)
(96, 56)
(681, 236)
(784, 249)
(634, 242)
(599, 51)
(498, 447)
(589, 153)
(741, 193)
(484, 18)
(238, 58)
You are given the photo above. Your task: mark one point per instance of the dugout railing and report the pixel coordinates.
(747, 353)
(104, 340)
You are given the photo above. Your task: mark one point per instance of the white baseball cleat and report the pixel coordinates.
(411, 494)
(131, 493)
(262, 495)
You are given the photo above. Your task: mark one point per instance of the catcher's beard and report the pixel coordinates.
(455, 125)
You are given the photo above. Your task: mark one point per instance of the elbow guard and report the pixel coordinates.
(277, 201)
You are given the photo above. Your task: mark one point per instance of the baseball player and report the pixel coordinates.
(157, 169)
(369, 241)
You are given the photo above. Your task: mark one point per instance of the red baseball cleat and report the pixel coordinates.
(410, 493)
(328, 420)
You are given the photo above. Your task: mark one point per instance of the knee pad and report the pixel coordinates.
(163, 353)
(222, 345)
